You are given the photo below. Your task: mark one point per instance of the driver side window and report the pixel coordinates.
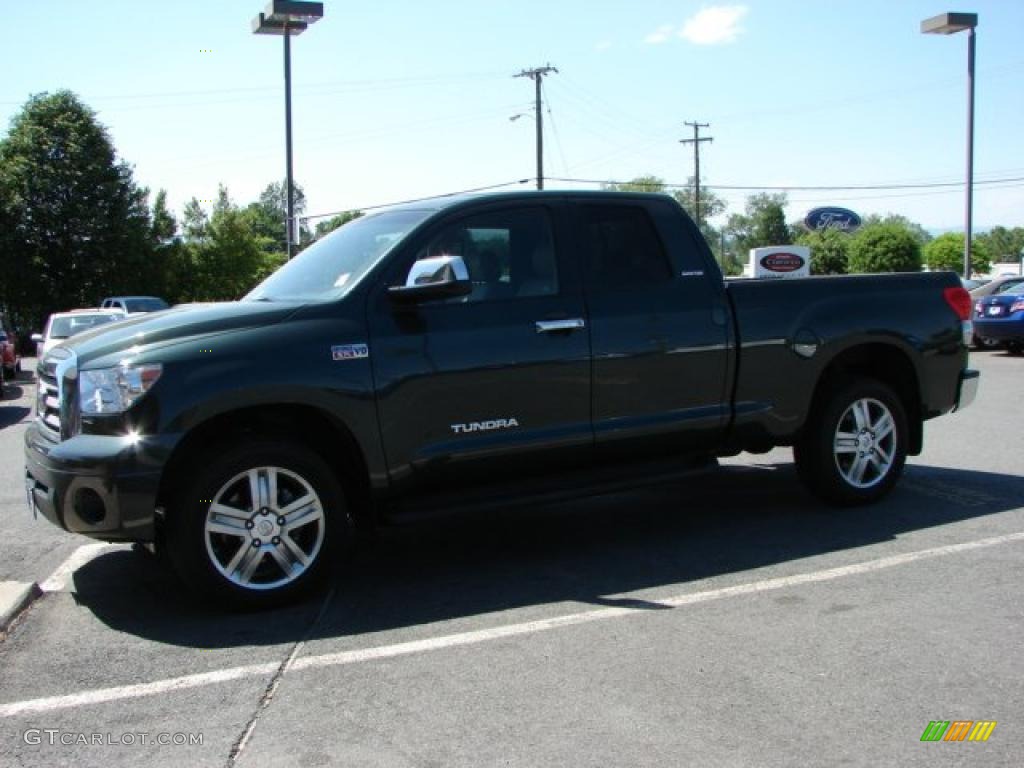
(509, 254)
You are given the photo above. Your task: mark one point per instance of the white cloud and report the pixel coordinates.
(660, 35)
(604, 45)
(713, 25)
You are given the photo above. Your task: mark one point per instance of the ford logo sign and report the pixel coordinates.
(782, 262)
(831, 217)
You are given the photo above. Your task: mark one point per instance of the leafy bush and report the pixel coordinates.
(830, 251)
(885, 248)
(947, 252)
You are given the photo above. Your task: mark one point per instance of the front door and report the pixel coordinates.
(493, 385)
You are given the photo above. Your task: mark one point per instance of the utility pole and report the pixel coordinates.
(537, 74)
(696, 140)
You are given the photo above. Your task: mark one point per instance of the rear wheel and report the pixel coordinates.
(853, 450)
(258, 524)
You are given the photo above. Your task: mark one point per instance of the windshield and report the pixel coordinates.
(64, 327)
(1010, 286)
(333, 264)
(144, 305)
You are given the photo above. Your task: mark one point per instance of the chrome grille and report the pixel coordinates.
(48, 403)
(57, 394)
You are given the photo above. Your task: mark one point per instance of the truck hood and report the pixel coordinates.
(180, 323)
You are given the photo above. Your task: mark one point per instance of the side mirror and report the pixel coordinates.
(439, 277)
(37, 338)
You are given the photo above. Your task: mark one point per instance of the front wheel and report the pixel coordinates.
(258, 524)
(853, 450)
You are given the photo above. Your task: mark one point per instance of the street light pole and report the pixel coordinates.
(969, 208)
(948, 24)
(288, 18)
(290, 221)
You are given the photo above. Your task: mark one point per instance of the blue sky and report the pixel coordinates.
(402, 99)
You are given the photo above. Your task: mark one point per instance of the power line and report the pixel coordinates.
(554, 131)
(805, 188)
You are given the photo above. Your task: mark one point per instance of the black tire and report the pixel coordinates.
(1015, 348)
(847, 454)
(980, 343)
(233, 548)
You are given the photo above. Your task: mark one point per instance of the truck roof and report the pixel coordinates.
(455, 201)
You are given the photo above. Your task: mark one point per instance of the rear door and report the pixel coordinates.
(494, 385)
(658, 329)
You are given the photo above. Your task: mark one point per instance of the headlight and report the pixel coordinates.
(114, 390)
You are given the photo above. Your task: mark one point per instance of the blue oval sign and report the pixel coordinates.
(831, 217)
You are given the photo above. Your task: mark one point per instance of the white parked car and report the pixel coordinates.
(63, 325)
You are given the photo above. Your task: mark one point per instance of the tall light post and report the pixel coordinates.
(947, 24)
(287, 18)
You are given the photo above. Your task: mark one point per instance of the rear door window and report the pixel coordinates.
(623, 249)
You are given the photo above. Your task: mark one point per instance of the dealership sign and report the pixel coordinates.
(780, 261)
(831, 217)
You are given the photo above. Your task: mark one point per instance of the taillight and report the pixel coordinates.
(960, 300)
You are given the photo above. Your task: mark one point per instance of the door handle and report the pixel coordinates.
(552, 326)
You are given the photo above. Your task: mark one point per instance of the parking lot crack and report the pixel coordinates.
(275, 681)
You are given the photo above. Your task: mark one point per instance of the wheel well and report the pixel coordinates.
(884, 363)
(327, 436)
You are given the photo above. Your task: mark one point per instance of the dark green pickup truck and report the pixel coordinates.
(468, 350)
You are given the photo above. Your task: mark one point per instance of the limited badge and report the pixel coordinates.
(350, 351)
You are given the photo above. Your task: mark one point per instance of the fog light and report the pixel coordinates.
(89, 506)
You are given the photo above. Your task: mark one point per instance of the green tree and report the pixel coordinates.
(268, 215)
(920, 233)
(229, 258)
(323, 227)
(946, 252)
(711, 205)
(1003, 245)
(763, 223)
(195, 222)
(164, 226)
(830, 250)
(76, 225)
(647, 183)
(172, 268)
(885, 248)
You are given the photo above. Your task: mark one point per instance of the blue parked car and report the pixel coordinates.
(1000, 318)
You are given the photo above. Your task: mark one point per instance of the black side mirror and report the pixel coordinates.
(439, 277)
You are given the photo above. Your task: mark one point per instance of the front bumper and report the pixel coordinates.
(100, 486)
(967, 389)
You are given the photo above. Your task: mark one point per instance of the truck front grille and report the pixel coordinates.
(57, 395)
(48, 404)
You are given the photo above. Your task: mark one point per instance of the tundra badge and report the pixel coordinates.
(483, 426)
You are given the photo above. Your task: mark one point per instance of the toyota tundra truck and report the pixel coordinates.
(463, 351)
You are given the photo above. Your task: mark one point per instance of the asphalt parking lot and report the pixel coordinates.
(730, 621)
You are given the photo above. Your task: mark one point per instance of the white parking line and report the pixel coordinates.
(98, 696)
(59, 578)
